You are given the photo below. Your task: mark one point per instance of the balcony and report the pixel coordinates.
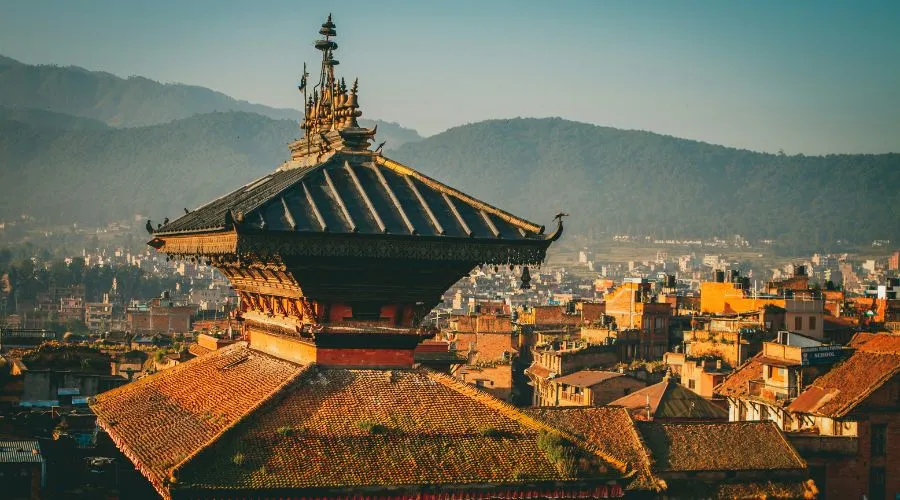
(568, 398)
(771, 392)
(809, 445)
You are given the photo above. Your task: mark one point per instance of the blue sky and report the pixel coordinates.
(803, 76)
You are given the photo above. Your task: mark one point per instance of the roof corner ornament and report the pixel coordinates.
(559, 226)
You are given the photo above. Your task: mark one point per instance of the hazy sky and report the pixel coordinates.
(805, 76)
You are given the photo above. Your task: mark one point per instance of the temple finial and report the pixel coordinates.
(331, 110)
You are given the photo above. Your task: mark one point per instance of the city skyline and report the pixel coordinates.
(803, 78)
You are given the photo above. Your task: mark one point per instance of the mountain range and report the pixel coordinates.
(78, 145)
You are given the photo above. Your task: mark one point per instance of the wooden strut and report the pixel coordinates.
(288, 216)
(365, 197)
(315, 208)
(428, 181)
(262, 220)
(415, 190)
(459, 218)
(393, 197)
(490, 224)
(340, 202)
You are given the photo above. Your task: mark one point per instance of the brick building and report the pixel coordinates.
(161, 314)
(585, 388)
(632, 307)
(841, 415)
(98, 316)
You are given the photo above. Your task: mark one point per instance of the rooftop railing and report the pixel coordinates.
(773, 392)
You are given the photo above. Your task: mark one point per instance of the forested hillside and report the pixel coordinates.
(96, 176)
(135, 101)
(71, 149)
(638, 182)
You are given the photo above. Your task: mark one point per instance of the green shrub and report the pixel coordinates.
(372, 427)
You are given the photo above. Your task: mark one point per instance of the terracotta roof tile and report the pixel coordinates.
(613, 431)
(737, 384)
(538, 371)
(848, 383)
(721, 446)
(749, 490)
(339, 428)
(670, 400)
(587, 378)
(160, 420)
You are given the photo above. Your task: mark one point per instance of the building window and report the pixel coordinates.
(876, 483)
(763, 412)
(812, 322)
(798, 322)
(691, 384)
(879, 440)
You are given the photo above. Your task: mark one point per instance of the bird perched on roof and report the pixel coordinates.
(165, 221)
(187, 211)
(149, 226)
(380, 146)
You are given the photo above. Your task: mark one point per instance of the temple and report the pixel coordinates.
(337, 256)
(342, 248)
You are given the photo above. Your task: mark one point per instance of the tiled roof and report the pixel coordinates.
(17, 452)
(340, 428)
(860, 338)
(725, 446)
(747, 490)
(612, 430)
(235, 419)
(587, 378)
(160, 420)
(737, 384)
(198, 350)
(670, 400)
(538, 371)
(851, 381)
(355, 193)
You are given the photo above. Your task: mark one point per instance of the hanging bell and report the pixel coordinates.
(526, 279)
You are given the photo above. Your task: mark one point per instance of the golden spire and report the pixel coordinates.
(331, 111)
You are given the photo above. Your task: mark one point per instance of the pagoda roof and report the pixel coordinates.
(354, 192)
(335, 191)
(238, 420)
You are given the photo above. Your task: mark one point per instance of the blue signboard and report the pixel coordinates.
(821, 355)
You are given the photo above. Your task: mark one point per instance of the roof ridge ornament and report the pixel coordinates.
(331, 112)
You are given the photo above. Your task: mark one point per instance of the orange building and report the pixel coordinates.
(732, 298)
